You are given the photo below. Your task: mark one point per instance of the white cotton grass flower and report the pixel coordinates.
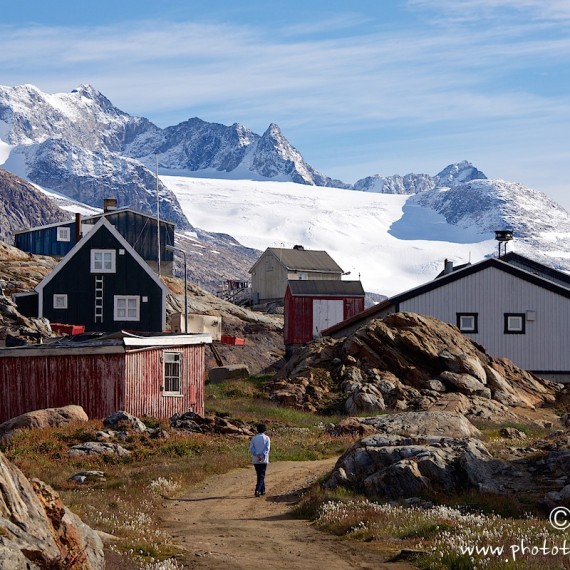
(164, 487)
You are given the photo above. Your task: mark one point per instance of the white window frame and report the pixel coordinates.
(103, 261)
(63, 234)
(303, 276)
(60, 301)
(125, 304)
(515, 323)
(462, 325)
(172, 373)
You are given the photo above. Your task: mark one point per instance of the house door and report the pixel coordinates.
(326, 314)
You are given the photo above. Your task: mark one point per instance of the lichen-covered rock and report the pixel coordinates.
(441, 424)
(37, 531)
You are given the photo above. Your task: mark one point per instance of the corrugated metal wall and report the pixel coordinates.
(492, 293)
(144, 381)
(37, 382)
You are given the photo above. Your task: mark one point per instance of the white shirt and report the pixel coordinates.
(259, 448)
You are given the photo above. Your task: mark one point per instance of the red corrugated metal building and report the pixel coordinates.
(312, 306)
(155, 376)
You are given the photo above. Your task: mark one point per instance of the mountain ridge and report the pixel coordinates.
(80, 145)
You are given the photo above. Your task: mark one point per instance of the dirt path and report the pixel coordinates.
(222, 525)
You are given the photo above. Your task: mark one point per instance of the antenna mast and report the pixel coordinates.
(157, 212)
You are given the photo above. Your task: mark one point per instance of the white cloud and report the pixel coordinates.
(471, 74)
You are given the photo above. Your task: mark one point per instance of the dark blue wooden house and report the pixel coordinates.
(138, 229)
(102, 284)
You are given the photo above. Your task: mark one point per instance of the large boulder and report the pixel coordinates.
(50, 417)
(397, 466)
(37, 531)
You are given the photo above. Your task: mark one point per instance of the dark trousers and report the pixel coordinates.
(260, 469)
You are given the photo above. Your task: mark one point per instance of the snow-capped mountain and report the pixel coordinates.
(22, 206)
(392, 242)
(79, 144)
(449, 177)
(395, 231)
(72, 143)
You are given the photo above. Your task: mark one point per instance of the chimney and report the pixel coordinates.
(77, 226)
(109, 204)
(298, 247)
(447, 267)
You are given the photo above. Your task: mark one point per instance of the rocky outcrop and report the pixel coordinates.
(396, 466)
(421, 424)
(122, 420)
(50, 417)
(97, 448)
(408, 362)
(37, 531)
(215, 424)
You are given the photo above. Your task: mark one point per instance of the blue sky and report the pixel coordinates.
(359, 87)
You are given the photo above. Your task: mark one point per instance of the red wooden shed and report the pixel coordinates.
(312, 306)
(155, 375)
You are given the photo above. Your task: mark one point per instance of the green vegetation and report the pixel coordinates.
(124, 502)
(441, 537)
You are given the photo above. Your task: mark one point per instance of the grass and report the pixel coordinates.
(465, 531)
(441, 537)
(125, 503)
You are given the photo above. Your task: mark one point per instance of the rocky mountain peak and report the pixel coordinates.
(458, 173)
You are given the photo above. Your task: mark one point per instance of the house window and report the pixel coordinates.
(172, 373)
(515, 323)
(60, 301)
(468, 322)
(303, 276)
(127, 308)
(103, 261)
(269, 264)
(63, 234)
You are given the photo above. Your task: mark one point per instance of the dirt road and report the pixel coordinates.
(222, 525)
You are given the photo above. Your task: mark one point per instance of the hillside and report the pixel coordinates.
(22, 206)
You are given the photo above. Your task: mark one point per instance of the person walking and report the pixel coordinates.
(259, 449)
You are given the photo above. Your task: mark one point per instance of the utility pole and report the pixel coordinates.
(157, 212)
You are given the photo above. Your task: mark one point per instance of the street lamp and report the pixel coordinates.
(172, 248)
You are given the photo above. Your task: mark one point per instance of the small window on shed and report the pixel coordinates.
(60, 301)
(468, 322)
(63, 234)
(303, 276)
(172, 373)
(515, 323)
